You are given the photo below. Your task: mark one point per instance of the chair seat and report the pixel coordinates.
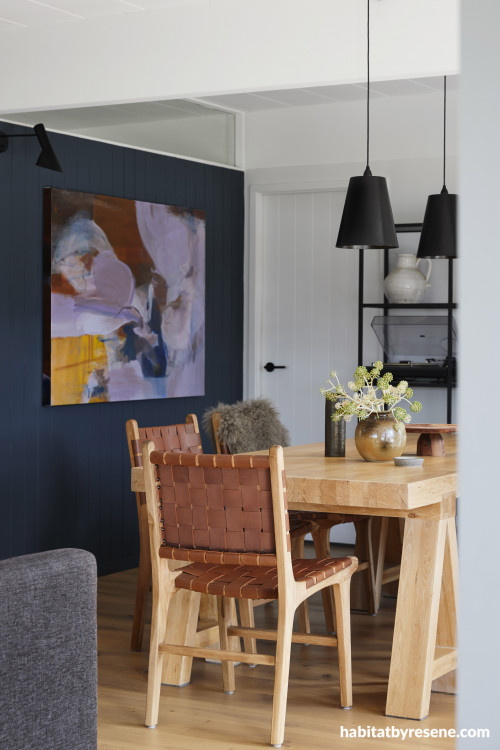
(254, 581)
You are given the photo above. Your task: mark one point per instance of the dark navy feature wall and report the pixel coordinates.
(65, 469)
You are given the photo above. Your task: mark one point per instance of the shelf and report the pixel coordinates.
(423, 379)
(422, 374)
(410, 305)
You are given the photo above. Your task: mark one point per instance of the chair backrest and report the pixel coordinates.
(217, 509)
(176, 438)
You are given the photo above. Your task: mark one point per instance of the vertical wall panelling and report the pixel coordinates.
(66, 469)
(7, 351)
(308, 321)
(304, 295)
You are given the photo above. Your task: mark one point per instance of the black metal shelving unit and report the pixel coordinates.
(449, 375)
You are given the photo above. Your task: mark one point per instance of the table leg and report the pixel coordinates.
(415, 628)
(446, 640)
(208, 607)
(182, 622)
(192, 621)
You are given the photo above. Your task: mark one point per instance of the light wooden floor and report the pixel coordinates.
(202, 716)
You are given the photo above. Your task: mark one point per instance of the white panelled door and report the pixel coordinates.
(303, 312)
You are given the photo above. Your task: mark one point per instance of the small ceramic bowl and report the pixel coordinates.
(408, 461)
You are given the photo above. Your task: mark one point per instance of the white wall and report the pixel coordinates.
(401, 127)
(479, 504)
(223, 46)
(407, 148)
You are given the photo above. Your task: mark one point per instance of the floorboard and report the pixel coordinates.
(202, 716)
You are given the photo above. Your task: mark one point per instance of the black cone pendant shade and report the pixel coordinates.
(367, 220)
(439, 230)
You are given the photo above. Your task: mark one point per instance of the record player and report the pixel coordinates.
(415, 347)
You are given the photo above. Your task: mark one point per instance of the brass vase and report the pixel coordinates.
(380, 437)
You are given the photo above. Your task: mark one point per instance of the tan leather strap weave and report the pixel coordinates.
(215, 504)
(176, 438)
(254, 582)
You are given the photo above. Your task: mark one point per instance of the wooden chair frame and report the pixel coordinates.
(144, 573)
(291, 594)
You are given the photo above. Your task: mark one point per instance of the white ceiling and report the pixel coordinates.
(81, 119)
(261, 100)
(23, 14)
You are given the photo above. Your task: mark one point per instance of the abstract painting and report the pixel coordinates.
(125, 299)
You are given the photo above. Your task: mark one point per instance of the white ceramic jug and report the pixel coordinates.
(406, 284)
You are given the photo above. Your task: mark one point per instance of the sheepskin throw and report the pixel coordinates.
(247, 426)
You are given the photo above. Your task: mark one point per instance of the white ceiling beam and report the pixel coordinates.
(224, 46)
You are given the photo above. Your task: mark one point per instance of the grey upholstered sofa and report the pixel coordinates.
(48, 652)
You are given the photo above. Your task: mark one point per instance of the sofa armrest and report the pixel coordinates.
(48, 651)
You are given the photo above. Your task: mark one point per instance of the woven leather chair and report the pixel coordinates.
(319, 525)
(180, 438)
(227, 516)
(176, 438)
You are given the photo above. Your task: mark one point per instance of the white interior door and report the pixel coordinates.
(308, 298)
(303, 308)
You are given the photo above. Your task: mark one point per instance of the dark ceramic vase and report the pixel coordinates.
(334, 432)
(380, 437)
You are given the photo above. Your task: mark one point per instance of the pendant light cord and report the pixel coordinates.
(444, 137)
(368, 87)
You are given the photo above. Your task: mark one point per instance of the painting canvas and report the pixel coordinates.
(125, 302)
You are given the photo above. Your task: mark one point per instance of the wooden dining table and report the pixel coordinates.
(424, 642)
(424, 653)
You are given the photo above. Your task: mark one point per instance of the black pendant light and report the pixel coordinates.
(439, 230)
(367, 220)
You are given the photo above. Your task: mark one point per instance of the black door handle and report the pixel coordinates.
(270, 366)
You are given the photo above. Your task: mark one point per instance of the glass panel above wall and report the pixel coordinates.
(178, 126)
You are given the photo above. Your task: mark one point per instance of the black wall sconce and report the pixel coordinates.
(47, 157)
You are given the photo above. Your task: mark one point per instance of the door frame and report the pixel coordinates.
(254, 263)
